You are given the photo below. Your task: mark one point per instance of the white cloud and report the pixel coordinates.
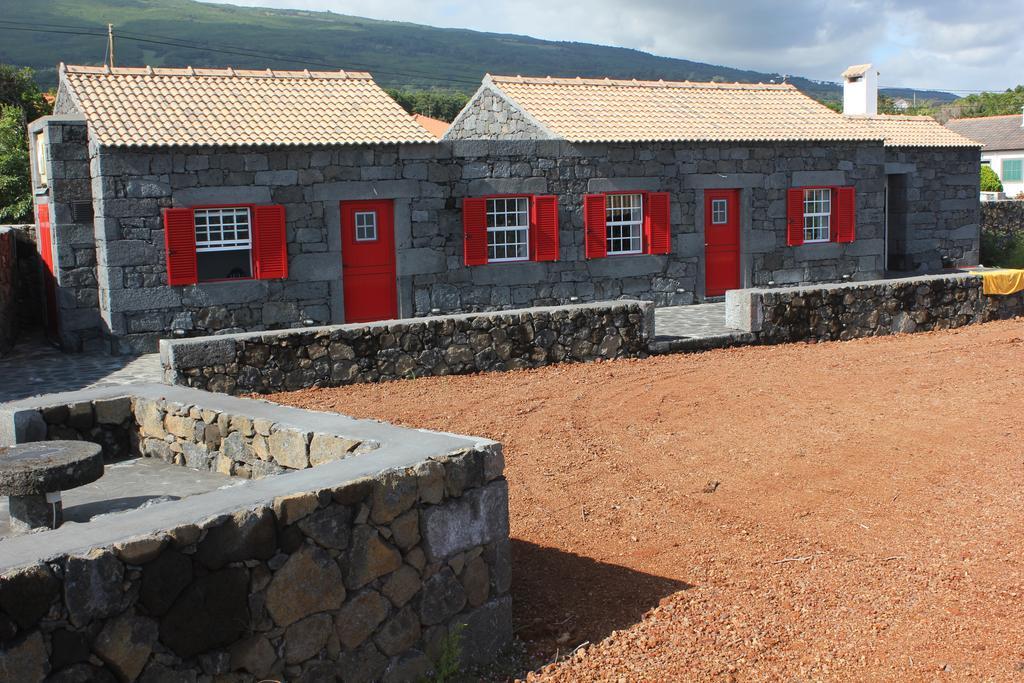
(917, 43)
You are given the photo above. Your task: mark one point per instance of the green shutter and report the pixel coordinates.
(1012, 171)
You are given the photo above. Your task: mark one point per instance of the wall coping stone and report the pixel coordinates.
(399, 448)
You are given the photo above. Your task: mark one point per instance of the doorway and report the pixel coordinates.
(721, 241)
(368, 260)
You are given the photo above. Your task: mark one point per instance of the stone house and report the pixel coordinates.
(176, 202)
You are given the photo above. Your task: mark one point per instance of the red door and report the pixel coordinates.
(721, 241)
(49, 278)
(368, 260)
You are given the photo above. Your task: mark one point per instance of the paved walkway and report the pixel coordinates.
(694, 321)
(34, 367)
(694, 328)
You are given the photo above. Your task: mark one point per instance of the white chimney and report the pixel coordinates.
(860, 91)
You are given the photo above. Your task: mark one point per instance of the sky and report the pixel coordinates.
(928, 44)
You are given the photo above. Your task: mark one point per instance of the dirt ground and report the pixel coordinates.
(833, 511)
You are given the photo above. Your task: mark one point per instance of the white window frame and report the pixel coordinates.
(616, 229)
(817, 215)
(365, 237)
(223, 242)
(500, 210)
(716, 205)
(39, 148)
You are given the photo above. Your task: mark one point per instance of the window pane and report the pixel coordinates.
(624, 223)
(508, 229)
(366, 226)
(1012, 170)
(817, 214)
(223, 243)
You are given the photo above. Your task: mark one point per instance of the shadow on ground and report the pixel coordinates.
(34, 367)
(555, 593)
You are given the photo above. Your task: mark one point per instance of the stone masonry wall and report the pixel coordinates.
(940, 210)
(74, 248)
(489, 115)
(428, 183)
(197, 437)
(841, 312)
(365, 580)
(8, 289)
(445, 345)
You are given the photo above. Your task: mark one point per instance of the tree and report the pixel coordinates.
(21, 101)
(18, 89)
(436, 104)
(989, 103)
(989, 180)
(15, 183)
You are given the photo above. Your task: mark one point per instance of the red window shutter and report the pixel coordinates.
(269, 244)
(474, 231)
(845, 214)
(180, 240)
(545, 228)
(658, 223)
(795, 217)
(595, 228)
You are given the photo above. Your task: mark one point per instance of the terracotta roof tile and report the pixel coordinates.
(435, 126)
(165, 107)
(914, 131)
(605, 110)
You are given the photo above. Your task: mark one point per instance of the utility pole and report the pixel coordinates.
(110, 43)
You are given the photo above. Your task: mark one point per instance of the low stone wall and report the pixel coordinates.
(287, 360)
(866, 309)
(8, 288)
(194, 436)
(364, 568)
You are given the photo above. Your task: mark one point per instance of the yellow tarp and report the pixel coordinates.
(1003, 281)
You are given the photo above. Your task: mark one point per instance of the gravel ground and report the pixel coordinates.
(840, 511)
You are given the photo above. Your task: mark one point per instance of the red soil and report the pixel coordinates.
(839, 511)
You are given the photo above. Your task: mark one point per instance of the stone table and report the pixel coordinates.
(33, 475)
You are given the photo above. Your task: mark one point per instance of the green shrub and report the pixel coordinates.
(989, 180)
(15, 185)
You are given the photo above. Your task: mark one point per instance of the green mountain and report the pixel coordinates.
(400, 55)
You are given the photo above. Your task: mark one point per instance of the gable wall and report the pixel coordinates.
(492, 117)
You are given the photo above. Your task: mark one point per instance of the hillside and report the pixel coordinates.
(182, 32)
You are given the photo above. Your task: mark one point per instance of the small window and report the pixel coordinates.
(624, 220)
(817, 215)
(719, 211)
(223, 243)
(508, 229)
(366, 226)
(1012, 170)
(40, 150)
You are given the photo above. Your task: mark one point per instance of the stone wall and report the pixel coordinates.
(74, 248)
(428, 183)
(443, 345)
(8, 288)
(1002, 230)
(360, 569)
(196, 437)
(489, 115)
(935, 194)
(868, 309)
